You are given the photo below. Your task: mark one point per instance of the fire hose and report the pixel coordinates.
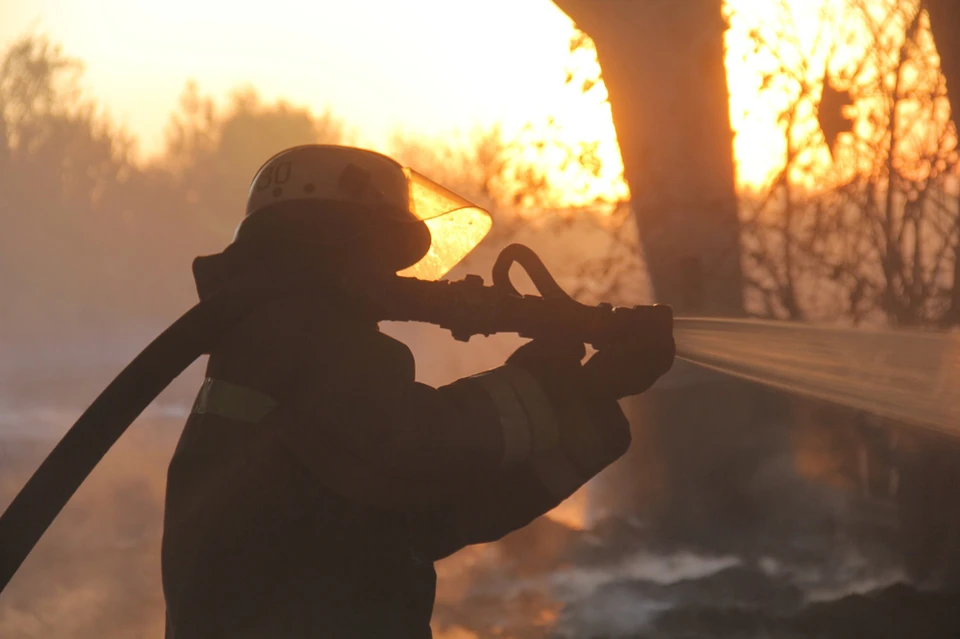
(466, 307)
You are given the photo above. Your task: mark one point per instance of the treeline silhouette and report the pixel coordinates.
(89, 233)
(96, 242)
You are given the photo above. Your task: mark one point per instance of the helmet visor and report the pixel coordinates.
(456, 226)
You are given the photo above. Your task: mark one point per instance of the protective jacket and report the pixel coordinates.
(316, 482)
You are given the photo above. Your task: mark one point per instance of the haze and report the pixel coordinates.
(420, 66)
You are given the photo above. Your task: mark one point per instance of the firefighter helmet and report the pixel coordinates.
(327, 195)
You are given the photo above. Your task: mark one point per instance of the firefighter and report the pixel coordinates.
(316, 482)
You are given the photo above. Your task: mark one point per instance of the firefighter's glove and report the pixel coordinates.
(630, 367)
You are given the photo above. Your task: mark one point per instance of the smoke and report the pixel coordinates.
(616, 560)
(96, 571)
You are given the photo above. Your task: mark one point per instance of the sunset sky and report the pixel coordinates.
(424, 66)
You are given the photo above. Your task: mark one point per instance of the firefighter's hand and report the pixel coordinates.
(629, 368)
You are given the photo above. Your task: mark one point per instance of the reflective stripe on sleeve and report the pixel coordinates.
(561, 470)
(536, 404)
(232, 401)
(517, 439)
(530, 427)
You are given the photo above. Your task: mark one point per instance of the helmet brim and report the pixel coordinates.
(392, 240)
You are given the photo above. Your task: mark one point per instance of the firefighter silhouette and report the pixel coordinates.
(316, 482)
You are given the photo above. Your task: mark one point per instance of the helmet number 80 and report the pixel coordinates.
(277, 174)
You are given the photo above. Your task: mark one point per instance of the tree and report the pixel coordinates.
(214, 153)
(944, 24)
(547, 186)
(858, 225)
(869, 231)
(65, 168)
(663, 66)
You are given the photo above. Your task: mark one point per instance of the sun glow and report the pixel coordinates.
(468, 64)
(777, 55)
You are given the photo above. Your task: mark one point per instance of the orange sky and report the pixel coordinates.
(424, 66)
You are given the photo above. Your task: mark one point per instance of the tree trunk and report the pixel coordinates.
(945, 26)
(663, 66)
(930, 517)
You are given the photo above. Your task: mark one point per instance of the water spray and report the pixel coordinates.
(912, 376)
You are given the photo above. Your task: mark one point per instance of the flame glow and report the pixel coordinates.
(573, 511)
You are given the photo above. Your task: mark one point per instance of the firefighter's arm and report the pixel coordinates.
(579, 434)
(368, 431)
(574, 433)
